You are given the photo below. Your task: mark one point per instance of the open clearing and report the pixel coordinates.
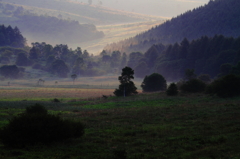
(145, 126)
(82, 88)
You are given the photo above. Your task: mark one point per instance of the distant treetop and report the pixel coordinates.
(11, 37)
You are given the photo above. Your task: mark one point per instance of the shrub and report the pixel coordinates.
(56, 100)
(154, 82)
(193, 86)
(33, 128)
(227, 86)
(172, 90)
(37, 108)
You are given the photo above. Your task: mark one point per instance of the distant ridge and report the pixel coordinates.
(81, 12)
(216, 17)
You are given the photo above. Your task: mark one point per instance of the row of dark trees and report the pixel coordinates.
(216, 17)
(225, 86)
(213, 56)
(205, 55)
(60, 60)
(208, 55)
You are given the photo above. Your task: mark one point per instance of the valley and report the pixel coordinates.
(100, 79)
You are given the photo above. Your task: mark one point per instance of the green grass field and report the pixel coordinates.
(145, 126)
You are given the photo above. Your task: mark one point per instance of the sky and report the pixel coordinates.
(165, 8)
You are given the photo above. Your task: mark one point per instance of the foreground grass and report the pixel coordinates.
(146, 126)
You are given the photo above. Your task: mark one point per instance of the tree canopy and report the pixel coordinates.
(11, 37)
(154, 82)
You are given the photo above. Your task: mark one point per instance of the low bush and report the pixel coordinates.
(227, 86)
(56, 100)
(37, 108)
(32, 128)
(193, 86)
(172, 90)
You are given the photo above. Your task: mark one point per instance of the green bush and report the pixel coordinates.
(172, 90)
(37, 108)
(193, 86)
(227, 86)
(33, 128)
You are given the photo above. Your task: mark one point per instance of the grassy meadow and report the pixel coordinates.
(144, 126)
(62, 89)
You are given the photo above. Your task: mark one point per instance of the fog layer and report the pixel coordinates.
(166, 8)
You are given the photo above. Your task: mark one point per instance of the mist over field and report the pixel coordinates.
(119, 79)
(97, 22)
(165, 8)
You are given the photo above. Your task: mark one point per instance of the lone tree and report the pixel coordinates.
(172, 90)
(60, 68)
(154, 82)
(126, 87)
(74, 76)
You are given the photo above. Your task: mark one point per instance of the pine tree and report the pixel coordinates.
(126, 87)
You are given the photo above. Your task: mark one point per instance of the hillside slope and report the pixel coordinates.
(217, 17)
(79, 11)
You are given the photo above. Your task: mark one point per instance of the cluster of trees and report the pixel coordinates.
(58, 60)
(214, 56)
(11, 37)
(205, 55)
(216, 17)
(224, 87)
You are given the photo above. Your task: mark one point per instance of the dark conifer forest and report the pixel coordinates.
(218, 17)
(205, 55)
(11, 37)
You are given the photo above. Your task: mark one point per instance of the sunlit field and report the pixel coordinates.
(116, 33)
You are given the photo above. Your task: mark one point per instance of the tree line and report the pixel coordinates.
(205, 55)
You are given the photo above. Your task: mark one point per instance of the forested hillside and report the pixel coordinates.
(11, 37)
(82, 12)
(217, 17)
(213, 56)
(46, 28)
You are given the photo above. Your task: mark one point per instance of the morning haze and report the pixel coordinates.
(165, 8)
(119, 79)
